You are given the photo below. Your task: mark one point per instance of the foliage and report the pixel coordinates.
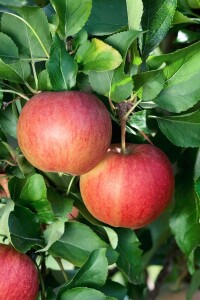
(143, 51)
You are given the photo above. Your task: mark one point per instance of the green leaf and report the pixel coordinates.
(61, 67)
(72, 15)
(92, 274)
(44, 83)
(180, 18)
(182, 76)
(61, 205)
(184, 221)
(134, 13)
(156, 21)
(34, 196)
(84, 294)
(149, 84)
(130, 258)
(15, 186)
(183, 130)
(194, 3)
(4, 217)
(115, 84)
(16, 72)
(29, 30)
(139, 121)
(16, 3)
(194, 285)
(8, 51)
(53, 233)
(76, 244)
(24, 229)
(8, 121)
(114, 289)
(107, 17)
(97, 56)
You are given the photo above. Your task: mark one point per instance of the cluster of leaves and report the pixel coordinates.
(116, 49)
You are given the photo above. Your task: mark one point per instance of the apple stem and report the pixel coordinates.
(145, 136)
(123, 135)
(59, 262)
(70, 185)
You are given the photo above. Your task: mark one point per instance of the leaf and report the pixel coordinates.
(92, 274)
(76, 244)
(61, 67)
(139, 121)
(114, 289)
(84, 294)
(29, 29)
(34, 196)
(8, 122)
(61, 205)
(194, 285)
(24, 229)
(156, 21)
(184, 221)
(16, 72)
(107, 17)
(130, 258)
(182, 74)
(115, 84)
(44, 83)
(180, 18)
(72, 15)
(8, 51)
(53, 233)
(16, 3)
(183, 130)
(149, 84)
(97, 56)
(134, 13)
(4, 217)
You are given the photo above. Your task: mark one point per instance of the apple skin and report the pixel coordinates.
(18, 275)
(67, 132)
(129, 190)
(73, 214)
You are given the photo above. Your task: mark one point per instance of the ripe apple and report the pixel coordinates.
(67, 132)
(18, 275)
(73, 214)
(4, 184)
(129, 190)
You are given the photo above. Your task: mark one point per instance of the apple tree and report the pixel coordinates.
(141, 58)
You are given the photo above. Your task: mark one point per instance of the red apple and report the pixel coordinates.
(129, 190)
(4, 184)
(66, 132)
(18, 275)
(73, 214)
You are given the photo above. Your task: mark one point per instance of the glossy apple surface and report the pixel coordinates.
(67, 132)
(18, 275)
(129, 190)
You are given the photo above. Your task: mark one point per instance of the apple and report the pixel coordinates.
(129, 190)
(18, 275)
(67, 132)
(4, 184)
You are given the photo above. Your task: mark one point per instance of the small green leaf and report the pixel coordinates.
(182, 76)
(183, 130)
(72, 15)
(16, 72)
(34, 196)
(114, 289)
(4, 217)
(76, 244)
(84, 294)
(8, 122)
(97, 56)
(53, 233)
(139, 121)
(8, 51)
(24, 229)
(149, 84)
(134, 13)
(62, 68)
(130, 258)
(61, 205)
(112, 16)
(194, 285)
(44, 83)
(156, 21)
(29, 29)
(184, 221)
(180, 18)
